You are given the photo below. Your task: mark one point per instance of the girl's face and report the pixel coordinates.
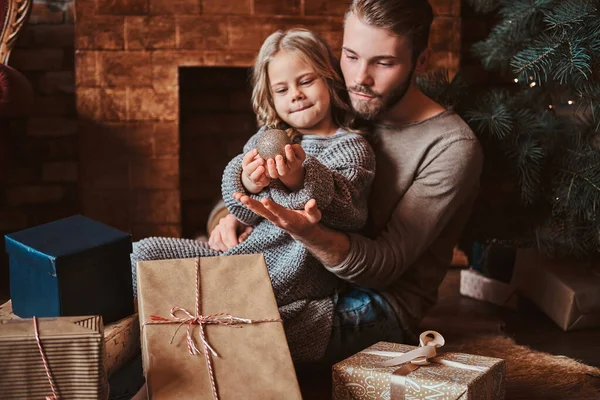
(301, 98)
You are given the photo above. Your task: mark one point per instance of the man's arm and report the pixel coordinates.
(327, 245)
(224, 230)
(424, 210)
(219, 211)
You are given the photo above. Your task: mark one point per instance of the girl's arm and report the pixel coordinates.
(339, 180)
(232, 183)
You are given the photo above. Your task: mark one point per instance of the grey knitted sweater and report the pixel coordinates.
(339, 170)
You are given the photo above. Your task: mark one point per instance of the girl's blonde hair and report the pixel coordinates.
(317, 54)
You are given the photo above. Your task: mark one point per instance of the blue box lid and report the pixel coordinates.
(62, 238)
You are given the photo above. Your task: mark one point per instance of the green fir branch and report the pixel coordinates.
(502, 43)
(591, 34)
(573, 65)
(491, 116)
(529, 162)
(522, 11)
(568, 13)
(589, 102)
(536, 60)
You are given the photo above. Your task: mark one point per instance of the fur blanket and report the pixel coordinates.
(530, 374)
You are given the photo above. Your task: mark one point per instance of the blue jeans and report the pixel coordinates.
(361, 318)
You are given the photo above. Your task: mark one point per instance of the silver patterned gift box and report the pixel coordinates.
(445, 376)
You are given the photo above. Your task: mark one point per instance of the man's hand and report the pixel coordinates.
(228, 233)
(298, 223)
(289, 170)
(329, 246)
(254, 177)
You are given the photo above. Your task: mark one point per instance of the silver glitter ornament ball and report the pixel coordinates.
(272, 142)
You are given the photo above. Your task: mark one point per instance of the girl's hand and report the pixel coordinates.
(254, 178)
(289, 171)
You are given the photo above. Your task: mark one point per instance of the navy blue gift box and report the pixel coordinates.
(70, 267)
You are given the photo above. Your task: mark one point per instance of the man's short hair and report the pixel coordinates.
(410, 18)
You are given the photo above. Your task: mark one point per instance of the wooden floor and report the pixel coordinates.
(527, 326)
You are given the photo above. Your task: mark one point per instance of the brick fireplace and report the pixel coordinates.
(136, 164)
(215, 121)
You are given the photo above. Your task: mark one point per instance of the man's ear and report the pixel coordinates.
(422, 60)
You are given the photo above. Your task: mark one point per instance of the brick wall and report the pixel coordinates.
(128, 54)
(40, 180)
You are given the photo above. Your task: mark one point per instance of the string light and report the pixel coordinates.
(550, 106)
(532, 84)
(570, 102)
(516, 80)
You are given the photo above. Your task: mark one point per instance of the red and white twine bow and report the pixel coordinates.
(203, 320)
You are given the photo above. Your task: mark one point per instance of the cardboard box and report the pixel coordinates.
(568, 291)
(70, 267)
(253, 360)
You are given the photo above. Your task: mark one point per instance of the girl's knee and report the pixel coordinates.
(142, 250)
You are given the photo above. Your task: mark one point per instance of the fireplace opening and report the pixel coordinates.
(216, 120)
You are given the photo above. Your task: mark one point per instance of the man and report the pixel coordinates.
(427, 176)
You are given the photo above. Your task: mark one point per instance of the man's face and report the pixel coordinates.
(377, 67)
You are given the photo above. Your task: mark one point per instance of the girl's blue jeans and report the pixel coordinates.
(362, 317)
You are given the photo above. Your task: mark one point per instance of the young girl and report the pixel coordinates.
(296, 87)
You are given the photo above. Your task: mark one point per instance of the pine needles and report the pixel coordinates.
(546, 126)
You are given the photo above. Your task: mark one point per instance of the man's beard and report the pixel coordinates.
(370, 110)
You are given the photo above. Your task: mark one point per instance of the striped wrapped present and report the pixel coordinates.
(121, 339)
(52, 358)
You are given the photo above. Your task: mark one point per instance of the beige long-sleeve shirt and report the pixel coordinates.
(426, 182)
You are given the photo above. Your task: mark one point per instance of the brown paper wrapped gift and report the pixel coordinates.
(390, 371)
(253, 360)
(568, 291)
(73, 348)
(121, 338)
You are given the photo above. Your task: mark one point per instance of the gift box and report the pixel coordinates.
(568, 291)
(73, 349)
(211, 329)
(122, 342)
(121, 339)
(70, 267)
(390, 371)
(478, 286)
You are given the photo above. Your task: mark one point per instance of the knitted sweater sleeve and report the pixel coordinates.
(339, 180)
(442, 186)
(232, 182)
